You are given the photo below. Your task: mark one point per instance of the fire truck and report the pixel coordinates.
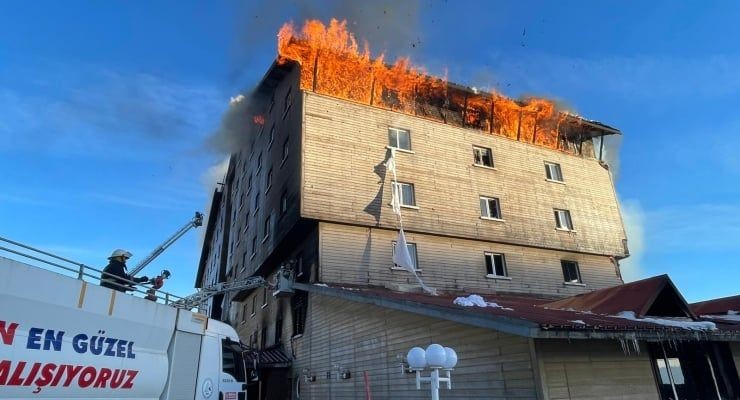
(62, 336)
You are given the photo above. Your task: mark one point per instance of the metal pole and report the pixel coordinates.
(434, 381)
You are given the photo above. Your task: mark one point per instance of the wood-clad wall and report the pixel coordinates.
(365, 338)
(344, 180)
(359, 255)
(583, 370)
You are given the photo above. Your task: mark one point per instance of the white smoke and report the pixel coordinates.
(634, 223)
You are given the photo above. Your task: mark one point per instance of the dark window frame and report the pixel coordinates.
(492, 268)
(571, 276)
(482, 163)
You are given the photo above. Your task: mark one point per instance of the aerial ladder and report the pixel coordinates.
(283, 286)
(193, 223)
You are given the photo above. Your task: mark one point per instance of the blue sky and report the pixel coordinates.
(106, 109)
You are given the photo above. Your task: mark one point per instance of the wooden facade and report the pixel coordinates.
(363, 256)
(344, 180)
(339, 226)
(372, 340)
(593, 369)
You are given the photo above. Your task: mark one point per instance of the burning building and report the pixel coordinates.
(507, 200)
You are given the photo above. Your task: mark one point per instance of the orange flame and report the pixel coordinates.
(258, 119)
(333, 63)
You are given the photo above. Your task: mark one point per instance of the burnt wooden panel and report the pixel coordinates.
(369, 339)
(363, 255)
(344, 180)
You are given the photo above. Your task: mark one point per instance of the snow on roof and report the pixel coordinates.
(684, 323)
(477, 300)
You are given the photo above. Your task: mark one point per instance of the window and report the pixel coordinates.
(264, 297)
(284, 202)
(482, 156)
(256, 205)
(496, 265)
(259, 162)
(412, 252)
(272, 136)
(675, 371)
(562, 220)
(244, 261)
(231, 360)
(272, 103)
(571, 272)
(490, 208)
(285, 150)
(288, 102)
(246, 221)
(553, 172)
(249, 183)
(299, 303)
(267, 228)
(268, 181)
(278, 328)
(254, 305)
(399, 138)
(254, 247)
(263, 338)
(405, 192)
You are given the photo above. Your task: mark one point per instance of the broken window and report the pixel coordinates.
(288, 102)
(412, 252)
(562, 220)
(490, 208)
(299, 303)
(254, 247)
(399, 138)
(267, 227)
(553, 172)
(405, 193)
(285, 150)
(571, 272)
(264, 297)
(284, 202)
(268, 180)
(495, 265)
(483, 156)
(272, 136)
(278, 328)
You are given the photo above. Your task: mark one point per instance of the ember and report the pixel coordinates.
(259, 119)
(335, 64)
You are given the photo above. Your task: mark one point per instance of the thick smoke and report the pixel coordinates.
(232, 135)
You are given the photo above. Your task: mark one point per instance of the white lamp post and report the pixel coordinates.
(435, 357)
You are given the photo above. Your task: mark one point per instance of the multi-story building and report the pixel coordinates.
(534, 229)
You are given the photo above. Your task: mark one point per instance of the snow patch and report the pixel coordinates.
(476, 300)
(321, 284)
(731, 316)
(578, 321)
(685, 324)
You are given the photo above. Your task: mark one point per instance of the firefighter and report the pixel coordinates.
(115, 276)
(156, 283)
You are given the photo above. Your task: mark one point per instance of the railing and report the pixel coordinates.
(79, 270)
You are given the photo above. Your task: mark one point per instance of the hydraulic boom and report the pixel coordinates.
(195, 222)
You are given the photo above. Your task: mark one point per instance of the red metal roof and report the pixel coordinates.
(538, 311)
(638, 297)
(717, 306)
